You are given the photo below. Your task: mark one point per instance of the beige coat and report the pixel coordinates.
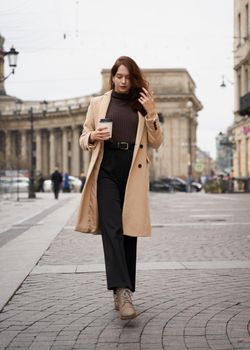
(135, 216)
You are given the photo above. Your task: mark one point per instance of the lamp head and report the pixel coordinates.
(12, 57)
(18, 105)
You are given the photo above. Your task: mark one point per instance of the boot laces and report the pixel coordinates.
(125, 296)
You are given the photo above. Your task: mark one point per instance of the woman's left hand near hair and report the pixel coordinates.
(147, 100)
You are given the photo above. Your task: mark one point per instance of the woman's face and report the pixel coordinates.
(121, 80)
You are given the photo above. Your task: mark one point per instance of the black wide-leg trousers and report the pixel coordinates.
(119, 249)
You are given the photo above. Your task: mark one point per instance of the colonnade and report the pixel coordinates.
(57, 129)
(53, 147)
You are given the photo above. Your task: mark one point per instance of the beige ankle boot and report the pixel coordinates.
(125, 305)
(116, 302)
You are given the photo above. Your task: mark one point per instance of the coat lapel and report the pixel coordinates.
(140, 128)
(104, 106)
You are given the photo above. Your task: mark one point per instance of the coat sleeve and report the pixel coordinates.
(88, 126)
(154, 132)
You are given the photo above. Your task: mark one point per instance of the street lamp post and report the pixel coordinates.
(17, 112)
(12, 58)
(190, 165)
(44, 104)
(224, 80)
(32, 193)
(18, 166)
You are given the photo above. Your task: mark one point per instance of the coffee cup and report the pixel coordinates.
(107, 123)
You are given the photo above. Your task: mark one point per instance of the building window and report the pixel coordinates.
(239, 86)
(246, 87)
(239, 83)
(247, 21)
(239, 29)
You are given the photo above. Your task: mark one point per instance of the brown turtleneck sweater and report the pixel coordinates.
(125, 120)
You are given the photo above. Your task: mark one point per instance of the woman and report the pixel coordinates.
(115, 197)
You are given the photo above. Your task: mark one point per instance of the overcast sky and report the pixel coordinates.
(64, 45)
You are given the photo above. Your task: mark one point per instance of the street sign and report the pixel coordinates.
(199, 167)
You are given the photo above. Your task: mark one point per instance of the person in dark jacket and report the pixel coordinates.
(56, 178)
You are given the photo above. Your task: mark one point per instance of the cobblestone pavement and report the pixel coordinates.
(186, 227)
(198, 308)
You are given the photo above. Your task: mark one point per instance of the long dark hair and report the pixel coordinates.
(136, 78)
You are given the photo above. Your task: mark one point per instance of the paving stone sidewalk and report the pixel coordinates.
(194, 307)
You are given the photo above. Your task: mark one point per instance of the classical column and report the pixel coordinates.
(246, 156)
(236, 92)
(24, 155)
(45, 153)
(75, 152)
(58, 148)
(8, 148)
(65, 163)
(243, 91)
(175, 138)
(52, 158)
(170, 141)
(38, 151)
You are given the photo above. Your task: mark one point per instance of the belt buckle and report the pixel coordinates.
(123, 146)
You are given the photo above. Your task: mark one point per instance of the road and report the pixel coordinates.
(193, 280)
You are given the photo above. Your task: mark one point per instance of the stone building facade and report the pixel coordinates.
(57, 129)
(56, 135)
(241, 125)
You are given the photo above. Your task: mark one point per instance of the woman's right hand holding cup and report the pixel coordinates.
(102, 133)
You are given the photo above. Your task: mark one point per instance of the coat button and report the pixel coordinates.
(141, 146)
(139, 165)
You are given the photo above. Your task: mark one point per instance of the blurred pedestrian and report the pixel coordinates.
(83, 179)
(189, 183)
(66, 184)
(40, 183)
(115, 196)
(56, 178)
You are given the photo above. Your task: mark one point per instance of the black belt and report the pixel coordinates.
(124, 146)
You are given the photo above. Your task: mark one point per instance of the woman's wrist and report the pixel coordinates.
(151, 115)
